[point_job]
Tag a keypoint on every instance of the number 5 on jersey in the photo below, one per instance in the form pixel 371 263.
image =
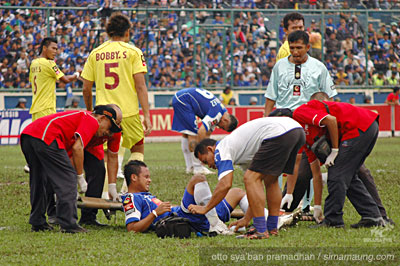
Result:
pixel 109 73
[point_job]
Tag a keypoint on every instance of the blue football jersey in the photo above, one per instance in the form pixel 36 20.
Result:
pixel 203 104
pixel 138 206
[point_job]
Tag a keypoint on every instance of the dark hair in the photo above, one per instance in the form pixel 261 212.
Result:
pixel 201 148
pixel 132 167
pixel 299 35
pixel 46 42
pixel 292 17
pixel 117 25
pixel 396 89
pixel 233 124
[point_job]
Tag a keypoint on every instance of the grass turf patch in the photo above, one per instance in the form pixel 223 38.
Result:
pixel 114 246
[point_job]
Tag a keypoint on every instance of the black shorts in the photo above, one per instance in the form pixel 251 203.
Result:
pixel 278 155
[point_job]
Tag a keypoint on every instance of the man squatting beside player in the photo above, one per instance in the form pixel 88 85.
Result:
pixel 192 102
pixel 266 147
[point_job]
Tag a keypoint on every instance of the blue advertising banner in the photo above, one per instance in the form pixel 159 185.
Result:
pixel 12 122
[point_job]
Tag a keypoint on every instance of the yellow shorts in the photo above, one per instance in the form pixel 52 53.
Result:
pixel 42 113
pixel 132 131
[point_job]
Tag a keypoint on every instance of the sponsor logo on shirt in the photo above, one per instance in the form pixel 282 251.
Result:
pixel 296 90
pixel 129 207
pixel 55 68
pixel 156 201
pixel 143 61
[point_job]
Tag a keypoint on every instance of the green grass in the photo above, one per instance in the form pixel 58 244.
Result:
pixel 115 246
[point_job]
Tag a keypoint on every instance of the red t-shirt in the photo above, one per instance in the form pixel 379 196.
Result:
pixel 349 118
pixel 95 145
pixel 312 132
pixel 392 97
pixel 64 127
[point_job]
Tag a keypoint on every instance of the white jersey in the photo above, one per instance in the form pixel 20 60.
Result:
pixel 241 145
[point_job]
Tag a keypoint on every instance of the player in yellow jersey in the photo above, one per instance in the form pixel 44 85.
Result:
pixel 43 75
pixel 118 70
pixel 291 22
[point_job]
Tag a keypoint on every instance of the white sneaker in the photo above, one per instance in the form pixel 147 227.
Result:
pixel 288 219
pixel 26 169
pixel 221 229
pixel 189 170
pixel 203 170
pixel 120 174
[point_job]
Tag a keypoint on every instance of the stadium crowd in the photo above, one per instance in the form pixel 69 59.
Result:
pixel 171 44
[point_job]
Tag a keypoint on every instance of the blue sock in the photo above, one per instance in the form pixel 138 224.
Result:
pixel 272 222
pixel 260 224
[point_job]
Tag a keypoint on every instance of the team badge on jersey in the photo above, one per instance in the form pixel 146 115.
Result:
pixel 143 61
pixel 128 204
pixel 55 68
pixel 296 90
pixel 156 201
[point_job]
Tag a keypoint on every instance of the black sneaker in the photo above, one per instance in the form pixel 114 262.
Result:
pixel 366 223
pixel 74 230
pixel 42 228
pixel 327 224
pixel 92 222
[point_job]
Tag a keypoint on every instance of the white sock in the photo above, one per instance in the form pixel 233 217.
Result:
pixel 186 153
pixel 196 162
pixel 202 195
pixel 244 204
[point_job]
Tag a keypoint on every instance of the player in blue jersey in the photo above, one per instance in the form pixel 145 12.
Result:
pixel 143 210
pixel 192 102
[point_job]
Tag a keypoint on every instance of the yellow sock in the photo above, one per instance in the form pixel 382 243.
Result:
pixel 136 156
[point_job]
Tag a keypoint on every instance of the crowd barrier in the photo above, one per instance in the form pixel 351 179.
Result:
pixel 13 122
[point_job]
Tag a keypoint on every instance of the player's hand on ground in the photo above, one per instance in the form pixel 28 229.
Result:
pixel 239 223
pixel 163 208
pixel 112 191
pixel 318 216
pixel 147 126
pixel 288 198
pixel 330 161
pixel 196 209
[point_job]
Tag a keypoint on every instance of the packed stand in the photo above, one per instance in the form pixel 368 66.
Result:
pixel 175 48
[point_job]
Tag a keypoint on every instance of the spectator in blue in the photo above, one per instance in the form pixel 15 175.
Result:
pixel 385 43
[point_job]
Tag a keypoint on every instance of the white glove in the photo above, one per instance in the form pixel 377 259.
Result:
pixel 288 198
pixel 82 183
pixel 330 161
pixel 318 213
pixel 112 191
pixel 76 74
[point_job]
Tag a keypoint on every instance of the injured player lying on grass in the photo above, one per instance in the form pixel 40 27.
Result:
pixel 143 210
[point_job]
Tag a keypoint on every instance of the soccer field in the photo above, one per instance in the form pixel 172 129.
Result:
pixel 115 246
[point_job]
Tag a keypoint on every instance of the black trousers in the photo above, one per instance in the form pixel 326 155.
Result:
pixel 95 173
pixel 343 179
pixel 49 164
pixel 305 175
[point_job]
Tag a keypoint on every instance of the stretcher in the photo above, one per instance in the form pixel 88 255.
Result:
pixel 111 206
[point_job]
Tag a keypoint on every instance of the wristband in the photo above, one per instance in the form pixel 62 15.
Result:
pixel 155 213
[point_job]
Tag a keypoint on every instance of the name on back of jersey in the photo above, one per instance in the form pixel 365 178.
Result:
pixel 111 55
